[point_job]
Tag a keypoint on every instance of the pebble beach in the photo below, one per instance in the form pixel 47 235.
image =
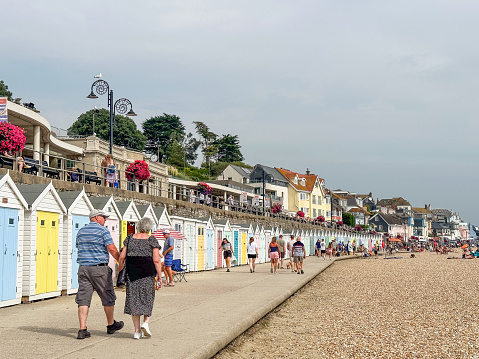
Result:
pixel 423 307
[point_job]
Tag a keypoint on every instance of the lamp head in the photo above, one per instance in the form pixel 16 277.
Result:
pixel 92 95
pixel 131 113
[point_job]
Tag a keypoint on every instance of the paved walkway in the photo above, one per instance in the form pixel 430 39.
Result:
pixel 191 320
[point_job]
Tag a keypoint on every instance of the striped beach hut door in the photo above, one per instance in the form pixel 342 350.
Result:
pixel 210 247
pixel 8 254
pixel 219 253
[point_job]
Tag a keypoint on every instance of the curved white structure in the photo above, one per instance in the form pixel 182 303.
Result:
pixel 38 132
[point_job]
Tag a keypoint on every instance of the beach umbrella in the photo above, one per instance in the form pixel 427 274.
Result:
pixel 158 234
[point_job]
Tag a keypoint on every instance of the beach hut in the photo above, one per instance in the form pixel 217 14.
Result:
pixel 163 217
pixel 146 210
pixel 246 231
pixel 257 230
pixel 12 207
pixel 187 226
pixel 78 208
pixel 262 237
pixel 219 234
pixel 236 240
pixel 43 238
pixel 210 244
pixel 267 241
pixel 129 218
pixel 112 223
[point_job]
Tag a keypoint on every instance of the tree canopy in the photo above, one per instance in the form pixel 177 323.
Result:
pixel 4 91
pixel 161 132
pixel 229 149
pixel 349 219
pixel 125 132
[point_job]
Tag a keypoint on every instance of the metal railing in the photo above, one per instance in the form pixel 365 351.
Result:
pixel 90 173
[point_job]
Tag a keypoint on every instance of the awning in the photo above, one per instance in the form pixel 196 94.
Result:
pixel 394 240
pixel 158 234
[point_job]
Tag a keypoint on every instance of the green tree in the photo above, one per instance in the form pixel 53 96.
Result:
pixel 125 132
pixel 190 146
pixel 161 132
pixel 349 219
pixel 209 146
pixel 229 149
pixel 4 91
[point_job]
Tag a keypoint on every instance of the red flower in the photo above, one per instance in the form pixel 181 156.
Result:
pixel 138 170
pixel 276 208
pixel 300 214
pixel 12 138
pixel 321 219
pixel 204 188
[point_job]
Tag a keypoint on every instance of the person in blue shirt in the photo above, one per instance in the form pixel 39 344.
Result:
pixel 94 244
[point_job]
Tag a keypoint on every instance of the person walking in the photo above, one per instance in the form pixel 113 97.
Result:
pixel 298 255
pixel 290 252
pixel 330 250
pixel 94 244
pixel 318 247
pixel 169 245
pixel 142 254
pixel 252 251
pixel 334 246
pixel 108 164
pixel 282 250
pixel 273 254
pixel 323 249
pixel 227 252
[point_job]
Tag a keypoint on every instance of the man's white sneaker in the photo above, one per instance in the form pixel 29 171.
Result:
pixel 145 328
pixel 137 335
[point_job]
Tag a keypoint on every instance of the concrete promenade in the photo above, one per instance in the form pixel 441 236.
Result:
pixel 192 320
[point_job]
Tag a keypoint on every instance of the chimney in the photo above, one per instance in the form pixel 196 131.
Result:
pixel 307 171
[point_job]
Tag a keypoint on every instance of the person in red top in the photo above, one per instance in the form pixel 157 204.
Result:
pixel 273 253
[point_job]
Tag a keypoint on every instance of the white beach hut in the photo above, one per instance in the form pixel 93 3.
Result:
pixel 78 208
pixel 12 207
pixel 43 239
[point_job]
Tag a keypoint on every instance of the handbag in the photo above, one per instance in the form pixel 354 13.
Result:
pixel 121 279
pixel 233 260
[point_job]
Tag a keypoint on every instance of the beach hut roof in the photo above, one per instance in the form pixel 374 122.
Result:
pixel 99 202
pixel 7 179
pixel 33 193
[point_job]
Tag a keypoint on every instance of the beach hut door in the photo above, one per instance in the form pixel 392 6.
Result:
pixel 78 222
pixel 8 254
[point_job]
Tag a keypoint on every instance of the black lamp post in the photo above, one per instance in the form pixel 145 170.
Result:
pixel 122 105
pixel 265 175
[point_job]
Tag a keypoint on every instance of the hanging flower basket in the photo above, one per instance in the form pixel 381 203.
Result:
pixel 276 208
pixel 358 228
pixel 138 170
pixel 300 214
pixel 203 188
pixel 12 138
pixel 339 223
pixel 321 219
pixel 399 236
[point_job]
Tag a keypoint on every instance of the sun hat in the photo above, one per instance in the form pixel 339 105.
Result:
pixel 166 231
pixel 98 212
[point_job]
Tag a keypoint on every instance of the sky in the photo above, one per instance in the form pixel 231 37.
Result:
pixel 373 96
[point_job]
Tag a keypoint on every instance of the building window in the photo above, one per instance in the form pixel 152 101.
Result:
pixel 304 196
pixel 319 200
pixel 295 180
pixel 314 212
pixel 303 182
pixel 328 213
pixel 314 199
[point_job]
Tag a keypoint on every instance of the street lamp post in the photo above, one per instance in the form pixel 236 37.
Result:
pixel 122 106
pixel 265 175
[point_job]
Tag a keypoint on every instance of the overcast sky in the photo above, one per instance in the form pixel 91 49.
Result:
pixel 373 96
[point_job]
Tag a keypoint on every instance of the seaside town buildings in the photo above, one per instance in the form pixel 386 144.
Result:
pixel 262 186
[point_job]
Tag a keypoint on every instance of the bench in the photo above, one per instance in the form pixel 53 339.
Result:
pixel 34 164
pixel 6 161
pixel 91 176
pixel 179 270
pixel 49 171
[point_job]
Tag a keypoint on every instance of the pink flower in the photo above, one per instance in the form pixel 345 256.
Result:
pixel 138 170
pixel 12 138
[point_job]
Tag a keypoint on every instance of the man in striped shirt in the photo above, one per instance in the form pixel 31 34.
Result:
pixel 94 244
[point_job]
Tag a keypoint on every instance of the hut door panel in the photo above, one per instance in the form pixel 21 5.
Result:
pixel 52 254
pixel 219 255
pixel 41 253
pixel 8 254
pixel 243 248
pixel 201 248
pixel 210 249
pixel 235 245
